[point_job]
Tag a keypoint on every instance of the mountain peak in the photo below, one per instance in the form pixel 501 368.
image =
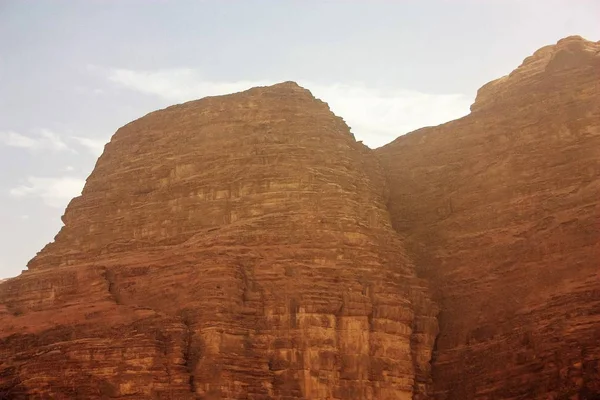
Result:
pixel 548 64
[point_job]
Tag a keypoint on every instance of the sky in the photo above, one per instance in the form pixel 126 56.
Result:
pixel 72 72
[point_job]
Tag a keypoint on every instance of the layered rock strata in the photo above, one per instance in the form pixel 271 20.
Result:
pixel 501 211
pixel 232 247
pixel 241 247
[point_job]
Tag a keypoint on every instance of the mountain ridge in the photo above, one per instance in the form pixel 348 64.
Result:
pixel 246 246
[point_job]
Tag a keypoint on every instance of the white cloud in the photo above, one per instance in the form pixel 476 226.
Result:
pixel 95 146
pixel 52 140
pixel 55 192
pixel 377 116
pixel 44 140
pixel 179 84
pixel 88 90
pixel 14 139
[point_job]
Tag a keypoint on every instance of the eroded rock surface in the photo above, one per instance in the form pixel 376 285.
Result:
pixel 501 210
pixel 247 247
pixel 232 247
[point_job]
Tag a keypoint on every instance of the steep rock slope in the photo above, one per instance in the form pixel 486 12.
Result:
pixel 231 247
pixel 501 211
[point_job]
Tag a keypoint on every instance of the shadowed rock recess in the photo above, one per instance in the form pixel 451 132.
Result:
pixel 247 247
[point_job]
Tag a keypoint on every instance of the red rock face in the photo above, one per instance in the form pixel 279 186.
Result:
pixel 501 210
pixel 247 247
pixel 232 247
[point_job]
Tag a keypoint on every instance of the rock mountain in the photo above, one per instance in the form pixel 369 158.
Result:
pixel 247 247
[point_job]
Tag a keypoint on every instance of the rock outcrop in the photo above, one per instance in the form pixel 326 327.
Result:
pixel 501 211
pixel 247 247
pixel 232 247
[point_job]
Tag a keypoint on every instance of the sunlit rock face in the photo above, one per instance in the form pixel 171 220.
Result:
pixel 501 212
pixel 247 247
pixel 235 247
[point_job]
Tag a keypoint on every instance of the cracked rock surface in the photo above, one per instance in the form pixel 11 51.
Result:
pixel 501 214
pixel 247 247
pixel 231 247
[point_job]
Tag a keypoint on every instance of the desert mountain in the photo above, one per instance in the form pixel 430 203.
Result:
pixel 247 247
pixel 500 210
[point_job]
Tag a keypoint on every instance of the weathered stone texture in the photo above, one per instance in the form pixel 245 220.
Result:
pixel 231 247
pixel 501 211
pixel 247 247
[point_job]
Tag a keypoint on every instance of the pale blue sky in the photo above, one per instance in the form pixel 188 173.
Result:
pixel 72 72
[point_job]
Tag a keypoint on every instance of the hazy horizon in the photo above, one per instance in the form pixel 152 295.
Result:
pixel 74 72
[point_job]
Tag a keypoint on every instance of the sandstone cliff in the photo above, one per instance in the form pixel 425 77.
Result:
pixel 501 211
pixel 246 246
pixel 232 247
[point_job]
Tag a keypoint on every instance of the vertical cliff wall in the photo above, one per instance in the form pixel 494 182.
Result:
pixel 501 211
pixel 231 247
pixel 246 246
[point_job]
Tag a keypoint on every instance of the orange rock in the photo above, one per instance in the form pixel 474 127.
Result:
pixel 500 210
pixel 231 247
pixel 246 246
